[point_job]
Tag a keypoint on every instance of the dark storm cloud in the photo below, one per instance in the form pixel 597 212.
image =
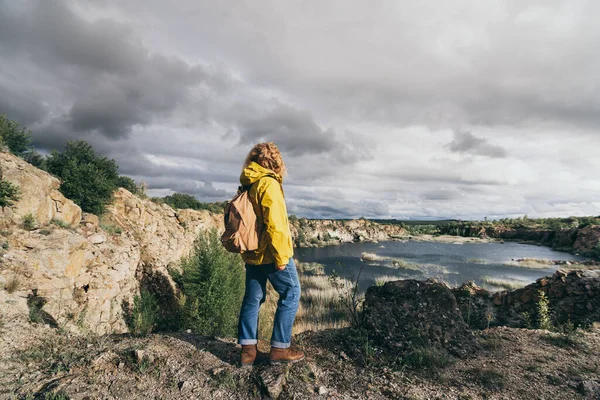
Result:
pixel 297 134
pixel 294 130
pixel 107 80
pixel 466 143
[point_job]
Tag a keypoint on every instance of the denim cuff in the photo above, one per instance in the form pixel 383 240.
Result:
pixel 244 342
pixel 279 345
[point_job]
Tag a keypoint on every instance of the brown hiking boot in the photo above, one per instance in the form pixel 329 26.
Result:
pixel 285 356
pixel 251 356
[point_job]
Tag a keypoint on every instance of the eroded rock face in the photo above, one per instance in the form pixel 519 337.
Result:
pixel 588 240
pixel 405 315
pixel 573 296
pixel 165 235
pixel 308 233
pixel 83 277
pixel 81 284
pixel 39 194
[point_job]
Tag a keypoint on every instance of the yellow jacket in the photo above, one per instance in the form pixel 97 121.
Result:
pixel 266 195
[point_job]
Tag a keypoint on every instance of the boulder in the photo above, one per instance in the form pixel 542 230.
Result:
pixel 38 195
pixel 402 316
pixel 573 297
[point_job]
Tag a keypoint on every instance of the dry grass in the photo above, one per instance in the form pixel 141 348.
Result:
pixel 381 280
pixel 319 309
pixel 533 263
pixel 12 284
pixel 503 283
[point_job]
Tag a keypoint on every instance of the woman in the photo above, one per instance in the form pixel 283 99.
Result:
pixel 262 173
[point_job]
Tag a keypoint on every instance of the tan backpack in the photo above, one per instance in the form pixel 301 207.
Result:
pixel 240 224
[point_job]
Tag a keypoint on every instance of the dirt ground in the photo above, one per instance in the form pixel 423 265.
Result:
pixel 40 362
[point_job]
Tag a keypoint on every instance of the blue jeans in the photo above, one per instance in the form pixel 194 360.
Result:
pixel 286 283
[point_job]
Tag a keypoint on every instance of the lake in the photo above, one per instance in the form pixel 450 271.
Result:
pixel 454 263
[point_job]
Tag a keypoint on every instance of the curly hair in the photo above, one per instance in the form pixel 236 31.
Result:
pixel 267 155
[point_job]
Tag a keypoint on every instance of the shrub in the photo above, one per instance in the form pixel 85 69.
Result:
pixel 428 358
pixel 12 284
pixel 36 159
pixel 15 137
pixel 212 281
pixel 56 396
pixel 87 178
pixel 9 193
pixel 144 313
pixel 543 312
pixel 183 201
pixel 111 229
pixel 29 222
pixel 60 223
pixel 349 297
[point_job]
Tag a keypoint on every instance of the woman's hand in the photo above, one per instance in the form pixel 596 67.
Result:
pixel 280 267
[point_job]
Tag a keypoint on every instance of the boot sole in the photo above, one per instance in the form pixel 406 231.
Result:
pixel 271 362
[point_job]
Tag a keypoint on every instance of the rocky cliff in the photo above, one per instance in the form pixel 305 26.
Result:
pixel 78 271
pixel 572 296
pixel 584 241
pixel 309 233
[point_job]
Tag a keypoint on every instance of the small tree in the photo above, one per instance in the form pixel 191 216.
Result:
pixel 9 193
pixel 15 137
pixel 87 178
pixel 212 284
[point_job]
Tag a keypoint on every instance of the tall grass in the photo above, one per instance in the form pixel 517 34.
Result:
pixel 144 313
pixel 503 283
pixel 533 263
pixel 319 309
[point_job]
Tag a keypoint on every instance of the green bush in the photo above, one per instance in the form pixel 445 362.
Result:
pixel 87 178
pixel 144 314
pixel 212 286
pixel 60 223
pixel 15 137
pixel 111 229
pixel 29 223
pixel 184 201
pixel 36 159
pixel 543 312
pixel 9 193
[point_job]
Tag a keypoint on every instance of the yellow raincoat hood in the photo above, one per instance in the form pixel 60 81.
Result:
pixel 253 172
pixel 274 238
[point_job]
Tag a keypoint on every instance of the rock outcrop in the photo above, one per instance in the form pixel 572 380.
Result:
pixel 38 195
pixel 402 316
pixel 165 235
pixel 573 296
pixel 308 233
pixel 82 273
pixel 584 241
pixel 588 241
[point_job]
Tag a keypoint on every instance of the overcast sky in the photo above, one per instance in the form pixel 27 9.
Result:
pixel 398 109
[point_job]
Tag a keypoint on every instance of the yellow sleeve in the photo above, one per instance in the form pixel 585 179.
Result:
pixel 275 221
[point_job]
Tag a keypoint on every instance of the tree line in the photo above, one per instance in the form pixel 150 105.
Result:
pixel 87 178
